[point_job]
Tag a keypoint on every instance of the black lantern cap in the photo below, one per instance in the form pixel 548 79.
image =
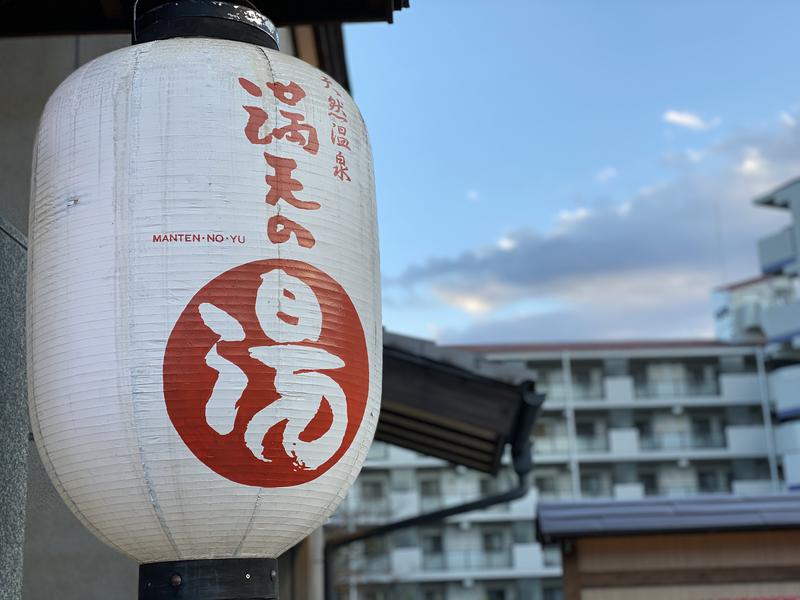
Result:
pixel 205 18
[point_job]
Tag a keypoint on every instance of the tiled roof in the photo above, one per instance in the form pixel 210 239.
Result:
pixel 570 520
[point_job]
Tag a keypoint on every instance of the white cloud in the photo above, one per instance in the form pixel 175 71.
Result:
pixel 566 217
pixel 469 303
pixel 753 163
pixel 506 243
pixel 606 174
pixel 788 119
pixel 688 120
pixel 641 267
pixel 473 195
pixel 694 156
pixel 624 208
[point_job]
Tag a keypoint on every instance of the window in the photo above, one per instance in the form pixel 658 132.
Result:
pixel 432 543
pixel 494 541
pixel 585 429
pixel 523 532
pixel 645 427
pixel 372 490
pixel 430 488
pixel 701 426
pixel 496 594
pixel 710 481
pixel 587 382
pixel 552 593
pixel 545 485
pixel 650 483
pixel 592 484
pixel 375 546
pixel 405 538
pixel 433 594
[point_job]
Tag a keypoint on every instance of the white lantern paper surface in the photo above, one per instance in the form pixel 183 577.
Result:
pixel 204 323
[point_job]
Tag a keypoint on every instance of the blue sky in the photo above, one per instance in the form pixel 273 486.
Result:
pixel 573 170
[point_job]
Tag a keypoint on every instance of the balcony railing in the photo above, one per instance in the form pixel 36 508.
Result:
pixel 374 564
pixel 554 495
pixel 681 441
pixel 551 556
pixel 683 491
pixel 674 388
pixel 551 445
pixel 560 445
pixel 456 560
pixel 592 444
pixel 558 392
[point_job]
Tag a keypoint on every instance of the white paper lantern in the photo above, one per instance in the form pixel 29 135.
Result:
pixel 204 325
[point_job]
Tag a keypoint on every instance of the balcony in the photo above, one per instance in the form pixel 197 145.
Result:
pixel 628 491
pixel 619 389
pixel 460 560
pixel 556 393
pixel 589 445
pixel 788 438
pixel 680 441
pixel 752 487
pixel 740 388
pixel 782 322
pixel 777 251
pixel 674 388
pixel 784 384
pixel 550 446
pixel 746 439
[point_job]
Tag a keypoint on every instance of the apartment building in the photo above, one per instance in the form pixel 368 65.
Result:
pixel 780 324
pixel 622 420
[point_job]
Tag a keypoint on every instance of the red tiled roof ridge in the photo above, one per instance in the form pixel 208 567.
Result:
pixel 602 345
pixel 745 282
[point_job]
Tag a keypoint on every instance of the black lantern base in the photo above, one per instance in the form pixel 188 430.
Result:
pixel 222 579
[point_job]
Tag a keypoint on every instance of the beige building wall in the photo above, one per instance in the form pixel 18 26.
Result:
pixel 756 591
pixel 698 566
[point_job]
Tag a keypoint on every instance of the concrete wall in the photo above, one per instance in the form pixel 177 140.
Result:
pixel 13 410
pixel 61 558
pixel 31 69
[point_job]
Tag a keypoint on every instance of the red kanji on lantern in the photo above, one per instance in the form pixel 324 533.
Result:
pixel 338 136
pixel 294 132
pixel 280 230
pixel 282 185
pixel 340 169
pixel 336 109
pixel 234 387
pixel 288 93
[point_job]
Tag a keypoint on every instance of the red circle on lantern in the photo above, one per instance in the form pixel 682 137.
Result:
pixel 189 380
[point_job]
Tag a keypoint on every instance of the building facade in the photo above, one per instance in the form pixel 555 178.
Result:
pixel 780 324
pixel 621 421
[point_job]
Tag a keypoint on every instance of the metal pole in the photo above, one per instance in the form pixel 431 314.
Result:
pixel 766 415
pixel 572 432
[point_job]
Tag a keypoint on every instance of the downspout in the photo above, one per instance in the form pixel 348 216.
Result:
pixel 522 461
